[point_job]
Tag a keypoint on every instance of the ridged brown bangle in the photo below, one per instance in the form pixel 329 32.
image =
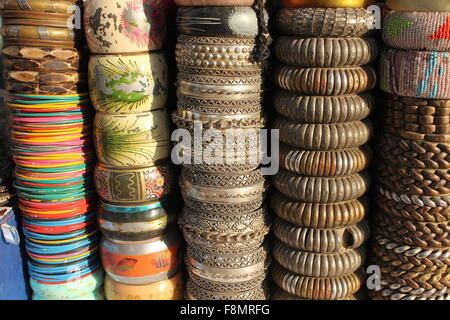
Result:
pixel 324 136
pixel 319 215
pixel 414 181
pixel 323 190
pixel 45 88
pixel 317 288
pixel 325 22
pixel 414 153
pixel 238 231
pixel 422 116
pixel 421 234
pixel 323 109
pixel 218 21
pixel 392 203
pixel 322 240
pixel 194 292
pixel 318 264
pixel 325 52
pixel 223 193
pixel 325 163
pixel 417 30
pixel 46 77
pixel 419 74
pixel 411 258
pixel 325 81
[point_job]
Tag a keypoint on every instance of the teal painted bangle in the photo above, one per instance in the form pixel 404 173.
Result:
pixel 95 295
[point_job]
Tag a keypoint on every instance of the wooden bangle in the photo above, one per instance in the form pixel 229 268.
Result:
pixel 38 5
pixel 325 163
pixel 427 31
pixel 132 140
pixel 418 5
pixel 25 32
pixel 57 44
pixel 326 52
pixel 318 264
pixel 319 215
pixel 322 240
pixel 422 116
pixel 325 22
pixel 318 288
pixel 46 77
pixel 44 89
pixel 325 82
pixel 413 233
pixel 418 74
pixel 44 54
pixel 413 181
pixel 43 66
pixel 324 137
pixel 218 21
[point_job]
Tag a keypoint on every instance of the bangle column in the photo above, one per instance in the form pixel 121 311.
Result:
pixel 141 247
pixel 220 85
pixel 322 103
pixel 412 220
pixel 51 122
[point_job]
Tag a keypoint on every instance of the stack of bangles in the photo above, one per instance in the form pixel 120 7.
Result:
pixel 54 155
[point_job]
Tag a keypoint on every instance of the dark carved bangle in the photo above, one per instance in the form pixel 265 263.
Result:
pixel 310 215
pixel 325 163
pixel 240 22
pixel 326 52
pixel 322 190
pixel 322 240
pixel 318 288
pixel 321 265
pixel 325 81
pixel 325 22
pixel 324 137
pixel 323 109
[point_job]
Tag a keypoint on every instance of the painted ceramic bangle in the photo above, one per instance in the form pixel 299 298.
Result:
pixel 139 26
pixel 194 292
pixel 413 259
pixel 132 186
pixel 322 240
pixel 218 21
pixel 46 77
pixel 433 209
pixel 219 107
pixel 322 190
pixel 228 268
pixel 324 137
pixel 325 163
pixel 325 22
pixel 413 233
pixel 94 295
pixel 425 31
pixel 167 289
pixel 318 288
pixel 323 109
pixel 230 192
pixel 426 182
pixel 238 232
pixel 132 140
pixel 280 294
pixel 213 3
pixel 325 52
pixel 418 5
pixel 325 81
pixel 43 53
pixel 24 32
pixel 142 262
pixel 310 215
pixel 318 264
pixel 418 74
pixel 39 5
pixel 135 223
pixel 128 83
pixel 39 88
pixel 420 116
pixel 77 287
